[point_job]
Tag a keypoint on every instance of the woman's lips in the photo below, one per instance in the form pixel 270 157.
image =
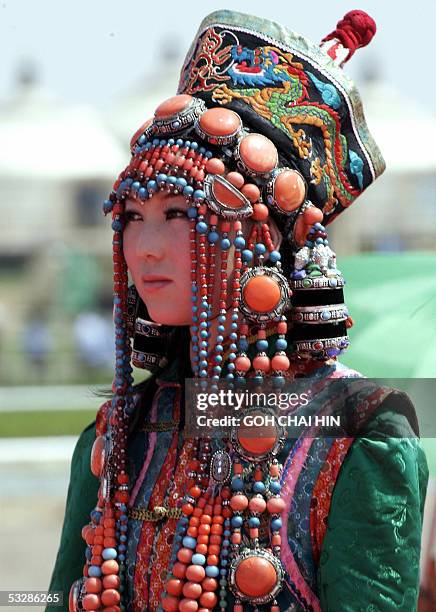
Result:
pixel 154 282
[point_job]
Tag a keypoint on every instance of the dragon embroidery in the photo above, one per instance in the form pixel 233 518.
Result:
pixel 276 87
pixel 203 72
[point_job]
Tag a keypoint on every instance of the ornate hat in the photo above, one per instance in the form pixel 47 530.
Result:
pixel 294 92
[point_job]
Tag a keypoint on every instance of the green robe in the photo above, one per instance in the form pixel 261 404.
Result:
pixel 370 554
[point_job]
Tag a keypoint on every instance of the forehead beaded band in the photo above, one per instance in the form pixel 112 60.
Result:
pixel 265 127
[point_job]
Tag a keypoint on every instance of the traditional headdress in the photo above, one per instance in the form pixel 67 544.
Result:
pixel 265 124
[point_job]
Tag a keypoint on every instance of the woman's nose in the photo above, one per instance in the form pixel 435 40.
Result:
pixel 150 244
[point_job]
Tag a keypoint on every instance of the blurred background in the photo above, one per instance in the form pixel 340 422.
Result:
pixel 77 80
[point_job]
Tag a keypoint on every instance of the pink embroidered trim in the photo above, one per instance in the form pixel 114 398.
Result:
pixel 151 446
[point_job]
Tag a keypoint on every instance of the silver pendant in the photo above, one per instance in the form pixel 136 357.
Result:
pixel 220 467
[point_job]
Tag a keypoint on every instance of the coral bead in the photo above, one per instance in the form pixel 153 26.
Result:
pixel 195 573
pixel 258 153
pixel 252 193
pixel 257 439
pixel 98 456
pixel 93 585
pixel 179 569
pixel 187 509
pixel 110 567
pixel 220 122
pixel 110 597
pixel 274 469
pixel 275 505
pixel 170 603
pixel 188 605
pixel 289 190
pixel 172 106
pixel 282 327
pixel 262 363
pixel 239 502
pixel 192 590
pixel 260 212
pixel 312 214
pixel 280 362
pixel 184 555
pixel 276 540
pixel 212 560
pixel 257 504
pixel 174 586
pixel 140 131
pixel 111 581
pixel 201 548
pixel 236 179
pixel 91 602
pixel 215 166
pixel 208 599
pixel 209 584
pixel 261 293
pixel 242 363
pixel 255 576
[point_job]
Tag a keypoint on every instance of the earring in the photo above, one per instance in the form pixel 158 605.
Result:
pixel 150 339
pixel 319 314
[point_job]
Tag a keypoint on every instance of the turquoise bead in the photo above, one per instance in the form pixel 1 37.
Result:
pixel 276 524
pixel 109 553
pixel 237 521
pixel 275 486
pixel 262 345
pixel 258 487
pixel 189 542
pixel 198 559
pixel 201 227
pixel 237 484
pixel 274 256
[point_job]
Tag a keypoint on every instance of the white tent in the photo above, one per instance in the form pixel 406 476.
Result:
pixel 44 139
pixel 404 130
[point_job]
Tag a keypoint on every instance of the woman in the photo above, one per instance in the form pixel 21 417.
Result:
pixel 220 219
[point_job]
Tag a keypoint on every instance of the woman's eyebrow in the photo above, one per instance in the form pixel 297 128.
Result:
pixel 133 202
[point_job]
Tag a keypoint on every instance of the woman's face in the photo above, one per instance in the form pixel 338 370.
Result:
pixel 156 249
pixel 157 252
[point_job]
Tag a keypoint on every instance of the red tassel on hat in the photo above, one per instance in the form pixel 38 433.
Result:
pixel 355 30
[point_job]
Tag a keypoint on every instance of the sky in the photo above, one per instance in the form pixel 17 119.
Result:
pixel 94 51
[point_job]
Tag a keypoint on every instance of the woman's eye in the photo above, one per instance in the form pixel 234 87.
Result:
pixel 176 213
pixel 130 215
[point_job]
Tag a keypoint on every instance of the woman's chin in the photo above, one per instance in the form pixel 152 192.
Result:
pixel 165 317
